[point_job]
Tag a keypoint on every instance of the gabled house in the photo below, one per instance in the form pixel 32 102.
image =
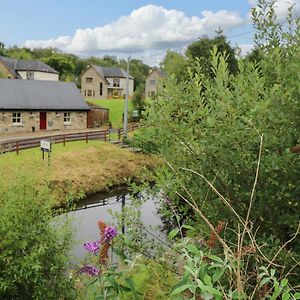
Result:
pixel 105 82
pixel 153 82
pixel 26 69
pixel 33 105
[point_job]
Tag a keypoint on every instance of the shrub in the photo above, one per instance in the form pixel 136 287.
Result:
pixel 34 250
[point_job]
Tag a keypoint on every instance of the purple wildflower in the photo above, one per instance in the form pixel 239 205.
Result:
pixel 92 246
pixel 89 270
pixel 109 233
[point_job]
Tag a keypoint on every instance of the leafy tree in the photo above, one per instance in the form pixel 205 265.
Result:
pixel 61 64
pixel 175 64
pixel 18 53
pixel 2 48
pixel 209 129
pixel 139 71
pixel 202 48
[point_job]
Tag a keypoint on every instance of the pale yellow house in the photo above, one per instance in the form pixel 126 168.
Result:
pixel 26 69
pixel 153 82
pixel 105 82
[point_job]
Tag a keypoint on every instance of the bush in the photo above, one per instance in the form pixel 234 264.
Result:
pixel 34 252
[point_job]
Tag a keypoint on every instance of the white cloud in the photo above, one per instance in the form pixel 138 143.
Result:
pixel 149 27
pixel 245 49
pixel 281 7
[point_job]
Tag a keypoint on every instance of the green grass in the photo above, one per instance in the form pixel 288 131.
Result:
pixel 116 109
pixel 78 168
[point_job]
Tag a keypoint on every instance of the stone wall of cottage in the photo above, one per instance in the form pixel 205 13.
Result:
pixel 30 120
pixel 152 84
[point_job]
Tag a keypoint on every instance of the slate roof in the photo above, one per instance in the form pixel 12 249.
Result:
pixel 111 72
pixel 40 95
pixel 14 65
pixel 161 72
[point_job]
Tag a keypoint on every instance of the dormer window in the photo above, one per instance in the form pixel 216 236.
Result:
pixel 30 75
pixel 116 82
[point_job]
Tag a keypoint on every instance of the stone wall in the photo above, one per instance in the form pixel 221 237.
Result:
pixel 90 85
pixel 152 84
pixel 55 121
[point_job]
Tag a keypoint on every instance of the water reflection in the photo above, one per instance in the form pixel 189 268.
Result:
pixel 96 207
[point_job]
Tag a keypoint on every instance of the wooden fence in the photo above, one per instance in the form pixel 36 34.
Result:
pixel 33 142
pixel 27 143
pixel 131 127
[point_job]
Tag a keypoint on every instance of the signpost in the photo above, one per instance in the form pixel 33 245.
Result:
pixel 46 147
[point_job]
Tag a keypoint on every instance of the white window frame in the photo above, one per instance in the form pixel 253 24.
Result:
pixel 67 118
pixel 16 118
pixel 116 82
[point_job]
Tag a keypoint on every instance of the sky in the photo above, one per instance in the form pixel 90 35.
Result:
pixel 139 28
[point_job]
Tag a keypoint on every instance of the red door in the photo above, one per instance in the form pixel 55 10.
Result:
pixel 43 120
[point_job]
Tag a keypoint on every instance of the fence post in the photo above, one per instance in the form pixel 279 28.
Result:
pixel 17 147
pixel 86 137
pixel 119 133
pixel 105 133
pixel 64 140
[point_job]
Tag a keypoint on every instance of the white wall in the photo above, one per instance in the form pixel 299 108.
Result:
pixel 123 84
pixel 40 75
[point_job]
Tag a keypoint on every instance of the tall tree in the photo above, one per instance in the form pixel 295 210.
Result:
pixel 175 64
pixel 202 49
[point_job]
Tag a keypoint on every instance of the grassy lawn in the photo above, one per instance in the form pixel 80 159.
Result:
pixel 76 169
pixel 116 109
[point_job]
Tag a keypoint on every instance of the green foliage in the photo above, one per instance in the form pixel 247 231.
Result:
pixel 175 64
pixel 34 249
pixel 62 64
pixel 138 99
pixel 202 48
pixel 210 128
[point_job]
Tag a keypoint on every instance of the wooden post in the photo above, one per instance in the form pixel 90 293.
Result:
pixel 64 140
pixel 86 137
pixel 119 133
pixel 105 133
pixel 17 147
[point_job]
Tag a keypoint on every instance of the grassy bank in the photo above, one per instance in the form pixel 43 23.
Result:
pixel 76 169
pixel 116 109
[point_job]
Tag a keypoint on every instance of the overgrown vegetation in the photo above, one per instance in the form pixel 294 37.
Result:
pixel 34 250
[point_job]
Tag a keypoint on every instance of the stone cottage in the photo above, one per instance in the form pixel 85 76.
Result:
pixel 33 105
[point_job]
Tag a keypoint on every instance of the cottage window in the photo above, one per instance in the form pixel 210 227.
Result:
pixel 89 79
pixel 116 82
pixel 152 82
pixel 101 88
pixel 89 93
pixel 67 117
pixel 16 118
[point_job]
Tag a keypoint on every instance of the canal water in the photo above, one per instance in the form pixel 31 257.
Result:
pixel 96 207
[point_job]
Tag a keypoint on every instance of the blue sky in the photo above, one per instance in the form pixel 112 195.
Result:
pixel 143 29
